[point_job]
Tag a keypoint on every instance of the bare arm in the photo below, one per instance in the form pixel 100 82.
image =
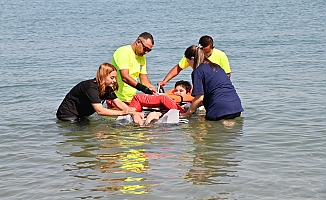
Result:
pixel 120 104
pixel 173 73
pixel 127 79
pixel 100 110
pixel 196 103
pixel 145 81
pixel 132 82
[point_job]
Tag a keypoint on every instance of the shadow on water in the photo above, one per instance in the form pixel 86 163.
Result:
pixel 116 159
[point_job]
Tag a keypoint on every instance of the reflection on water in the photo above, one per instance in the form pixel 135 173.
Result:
pixel 125 163
pixel 213 150
pixel 121 160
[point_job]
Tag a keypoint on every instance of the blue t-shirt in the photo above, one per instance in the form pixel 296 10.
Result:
pixel 220 97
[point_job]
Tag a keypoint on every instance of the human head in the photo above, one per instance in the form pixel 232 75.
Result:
pixel 207 43
pixel 195 56
pixel 182 87
pixel 144 44
pixel 106 78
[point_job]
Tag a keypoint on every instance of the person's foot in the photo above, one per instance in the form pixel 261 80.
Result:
pixel 138 118
pixel 152 116
pixel 228 123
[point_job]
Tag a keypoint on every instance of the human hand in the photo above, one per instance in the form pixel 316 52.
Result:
pixel 151 87
pixel 131 110
pixel 125 111
pixel 161 83
pixel 139 114
pixel 184 115
pixel 138 118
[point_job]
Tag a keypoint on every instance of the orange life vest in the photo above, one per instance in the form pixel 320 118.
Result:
pixel 178 98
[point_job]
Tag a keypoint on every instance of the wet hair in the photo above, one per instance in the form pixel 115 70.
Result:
pixel 103 71
pixel 146 36
pixel 198 54
pixel 205 41
pixel 185 84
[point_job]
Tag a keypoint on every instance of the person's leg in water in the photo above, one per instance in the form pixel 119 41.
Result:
pixel 152 116
pixel 138 118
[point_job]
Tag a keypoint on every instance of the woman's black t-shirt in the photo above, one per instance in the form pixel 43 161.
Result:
pixel 78 102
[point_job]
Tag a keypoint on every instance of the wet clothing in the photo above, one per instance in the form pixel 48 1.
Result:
pixel 154 101
pixel 220 97
pixel 78 102
pixel 218 57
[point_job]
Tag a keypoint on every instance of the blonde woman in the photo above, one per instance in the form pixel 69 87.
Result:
pixel 88 96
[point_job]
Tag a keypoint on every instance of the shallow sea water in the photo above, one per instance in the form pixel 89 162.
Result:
pixel 276 150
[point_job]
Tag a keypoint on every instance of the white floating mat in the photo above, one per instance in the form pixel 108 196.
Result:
pixel 171 117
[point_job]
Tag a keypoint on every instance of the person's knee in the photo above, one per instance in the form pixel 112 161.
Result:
pixel 153 116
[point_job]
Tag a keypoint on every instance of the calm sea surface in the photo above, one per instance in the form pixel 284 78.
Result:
pixel 276 150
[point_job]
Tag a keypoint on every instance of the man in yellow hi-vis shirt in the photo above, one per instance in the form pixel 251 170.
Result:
pixel 130 62
pixel 215 55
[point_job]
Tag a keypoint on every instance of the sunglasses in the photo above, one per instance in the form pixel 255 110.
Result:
pixel 145 48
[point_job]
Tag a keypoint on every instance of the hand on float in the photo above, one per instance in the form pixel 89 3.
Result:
pixel 161 83
pixel 131 110
pixel 184 115
pixel 125 111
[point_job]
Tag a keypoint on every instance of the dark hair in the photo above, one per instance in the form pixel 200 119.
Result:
pixel 184 84
pixel 198 54
pixel 146 36
pixel 205 41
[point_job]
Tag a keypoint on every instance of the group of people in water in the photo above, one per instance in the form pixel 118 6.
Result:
pixel 116 83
